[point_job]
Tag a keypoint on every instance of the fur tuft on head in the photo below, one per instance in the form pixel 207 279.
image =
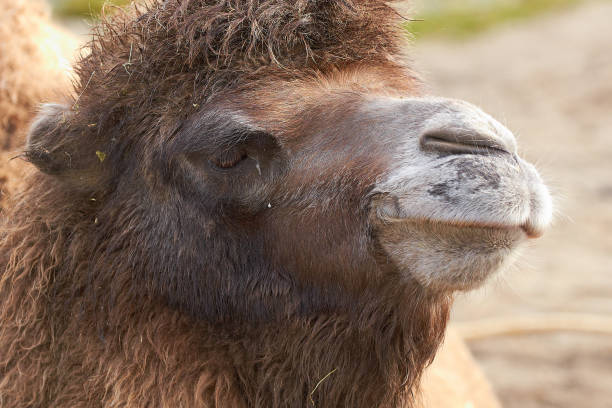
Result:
pixel 167 56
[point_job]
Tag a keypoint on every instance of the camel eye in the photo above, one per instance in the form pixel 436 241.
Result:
pixel 228 159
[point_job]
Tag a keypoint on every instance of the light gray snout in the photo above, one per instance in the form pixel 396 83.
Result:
pixel 455 164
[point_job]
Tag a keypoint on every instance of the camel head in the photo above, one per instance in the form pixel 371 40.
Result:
pixel 280 158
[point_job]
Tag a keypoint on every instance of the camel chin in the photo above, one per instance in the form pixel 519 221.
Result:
pixel 445 257
pixel 458 202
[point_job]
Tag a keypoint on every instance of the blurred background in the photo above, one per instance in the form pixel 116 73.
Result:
pixel 544 67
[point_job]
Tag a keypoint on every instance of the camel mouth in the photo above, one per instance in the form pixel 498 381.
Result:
pixel 455 223
pixel 387 209
pixel 473 234
pixel 530 230
pixel 503 193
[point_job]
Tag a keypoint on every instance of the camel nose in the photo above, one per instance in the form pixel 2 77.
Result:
pixel 464 129
pixel 461 141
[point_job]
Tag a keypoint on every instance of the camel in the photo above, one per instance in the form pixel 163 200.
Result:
pixel 35 66
pixel 251 204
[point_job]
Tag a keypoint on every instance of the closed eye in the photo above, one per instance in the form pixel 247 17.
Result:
pixel 228 159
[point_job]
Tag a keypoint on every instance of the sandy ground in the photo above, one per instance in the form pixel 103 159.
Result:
pixel 550 80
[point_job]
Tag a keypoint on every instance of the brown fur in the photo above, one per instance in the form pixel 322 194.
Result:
pixel 34 68
pixel 104 298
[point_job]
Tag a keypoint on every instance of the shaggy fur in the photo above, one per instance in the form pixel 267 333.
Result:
pixel 103 299
pixel 34 68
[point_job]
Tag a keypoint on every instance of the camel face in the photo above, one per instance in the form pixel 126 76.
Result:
pixel 449 199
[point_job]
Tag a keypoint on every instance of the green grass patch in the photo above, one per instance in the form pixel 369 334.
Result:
pixel 461 22
pixel 83 8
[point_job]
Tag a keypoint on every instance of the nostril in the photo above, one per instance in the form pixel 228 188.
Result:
pixel 460 141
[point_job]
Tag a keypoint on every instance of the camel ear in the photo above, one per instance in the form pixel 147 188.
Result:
pixel 46 140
